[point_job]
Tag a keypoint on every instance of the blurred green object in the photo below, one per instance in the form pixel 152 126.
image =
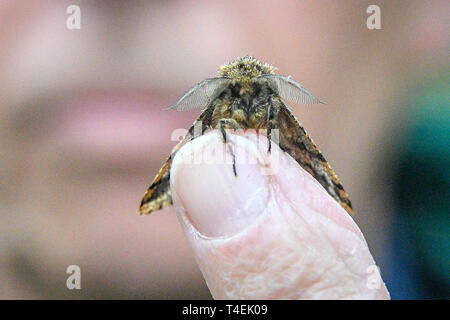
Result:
pixel 423 188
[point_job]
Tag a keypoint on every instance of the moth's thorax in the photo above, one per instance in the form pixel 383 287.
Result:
pixel 248 107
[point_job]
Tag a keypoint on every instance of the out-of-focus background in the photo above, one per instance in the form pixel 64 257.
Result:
pixel 82 132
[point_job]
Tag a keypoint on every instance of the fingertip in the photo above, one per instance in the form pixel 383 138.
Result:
pixel 272 231
pixel 216 201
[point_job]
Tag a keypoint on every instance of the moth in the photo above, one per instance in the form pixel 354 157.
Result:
pixel 247 94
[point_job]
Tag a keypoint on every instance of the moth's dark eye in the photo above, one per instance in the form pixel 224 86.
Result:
pixel 236 90
pixel 256 87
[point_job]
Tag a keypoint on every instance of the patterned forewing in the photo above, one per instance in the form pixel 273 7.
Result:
pixel 295 141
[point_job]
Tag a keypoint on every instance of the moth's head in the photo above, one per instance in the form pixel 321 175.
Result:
pixel 245 70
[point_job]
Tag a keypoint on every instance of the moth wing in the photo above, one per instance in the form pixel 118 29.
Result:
pixel 294 140
pixel 289 89
pixel 200 95
pixel 158 195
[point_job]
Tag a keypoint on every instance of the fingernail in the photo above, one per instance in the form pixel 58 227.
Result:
pixel 216 201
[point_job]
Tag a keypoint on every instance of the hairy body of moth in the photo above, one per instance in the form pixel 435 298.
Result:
pixel 248 94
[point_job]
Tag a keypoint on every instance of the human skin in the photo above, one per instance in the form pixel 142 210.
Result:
pixel 272 231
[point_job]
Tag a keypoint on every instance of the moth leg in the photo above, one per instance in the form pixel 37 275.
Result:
pixel 229 124
pixel 234 159
pixel 270 117
pixel 222 129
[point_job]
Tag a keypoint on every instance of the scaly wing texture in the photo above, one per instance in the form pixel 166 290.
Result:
pixel 158 195
pixel 295 141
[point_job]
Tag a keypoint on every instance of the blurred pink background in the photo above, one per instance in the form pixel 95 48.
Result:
pixel 82 130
